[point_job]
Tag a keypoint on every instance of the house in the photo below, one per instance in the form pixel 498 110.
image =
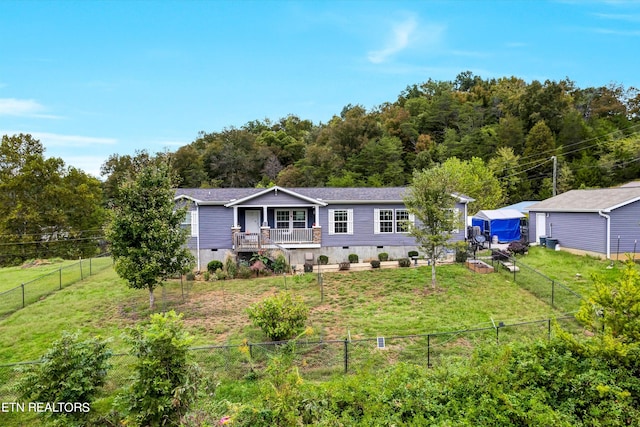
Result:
pixel 304 222
pixel 604 222
pixel 504 224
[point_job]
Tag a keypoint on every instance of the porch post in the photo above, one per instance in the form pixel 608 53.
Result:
pixel 317 215
pixel 264 216
pixel 234 231
pixel 235 217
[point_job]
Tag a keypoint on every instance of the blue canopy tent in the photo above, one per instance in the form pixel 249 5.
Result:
pixel 503 223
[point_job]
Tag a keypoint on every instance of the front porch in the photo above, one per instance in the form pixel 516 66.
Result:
pixel 269 238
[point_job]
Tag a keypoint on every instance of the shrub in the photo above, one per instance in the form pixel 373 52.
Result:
pixel 518 247
pixel 244 272
pixel 165 382
pixel 413 254
pixel 404 262
pixel 375 263
pixel 230 266
pixel 206 276
pixel 353 258
pixel 323 259
pixel 383 256
pixel 220 274
pixel 462 251
pixel 259 268
pixel 190 276
pixel 280 265
pixel 214 265
pixel 308 267
pixel 71 371
pixel 280 317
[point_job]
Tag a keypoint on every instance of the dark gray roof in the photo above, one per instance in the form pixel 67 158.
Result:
pixel 325 194
pixel 604 199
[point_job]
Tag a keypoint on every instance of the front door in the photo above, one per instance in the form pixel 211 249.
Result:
pixel 541 225
pixel 252 221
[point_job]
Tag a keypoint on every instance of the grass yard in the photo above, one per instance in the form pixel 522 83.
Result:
pixel 365 304
pixel 397 304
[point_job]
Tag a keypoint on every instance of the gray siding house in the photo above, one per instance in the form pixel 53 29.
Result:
pixel 318 221
pixel 603 222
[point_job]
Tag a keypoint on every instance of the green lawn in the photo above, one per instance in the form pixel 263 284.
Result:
pixel 357 305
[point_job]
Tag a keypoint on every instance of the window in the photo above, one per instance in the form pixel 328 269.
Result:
pixel 190 223
pixel 385 217
pixel 340 221
pixel 289 219
pixel 402 220
pixel 391 221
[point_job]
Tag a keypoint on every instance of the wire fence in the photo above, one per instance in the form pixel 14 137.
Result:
pixel 324 359
pixel 33 290
pixel 556 294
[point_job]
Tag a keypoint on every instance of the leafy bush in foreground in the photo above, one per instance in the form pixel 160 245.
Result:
pixel 280 317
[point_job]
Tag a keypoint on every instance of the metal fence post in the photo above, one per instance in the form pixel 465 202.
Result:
pixel 514 269
pixel 346 356
pixel 60 277
pixel 90 273
pixel 549 328
pixel 553 291
pixel 81 276
pixel 22 294
pixel 498 335
pixel 250 350
pixel 428 350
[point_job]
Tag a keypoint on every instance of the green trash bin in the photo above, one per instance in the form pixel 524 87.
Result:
pixel 543 240
pixel 551 243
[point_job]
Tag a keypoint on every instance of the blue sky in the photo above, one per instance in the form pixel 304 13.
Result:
pixel 94 78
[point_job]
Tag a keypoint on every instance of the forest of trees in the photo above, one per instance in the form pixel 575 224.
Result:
pixel 501 134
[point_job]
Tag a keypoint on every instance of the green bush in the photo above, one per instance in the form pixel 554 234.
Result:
pixel 323 259
pixel 462 252
pixel 165 382
pixel 404 262
pixel 214 265
pixel 280 265
pixel 383 256
pixel 230 267
pixel 206 275
pixel 71 371
pixel 220 274
pixel 375 263
pixel 353 258
pixel 413 254
pixel 280 317
pixel 190 276
pixel 244 272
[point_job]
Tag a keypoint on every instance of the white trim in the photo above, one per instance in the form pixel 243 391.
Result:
pixel 332 221
pixel 275 189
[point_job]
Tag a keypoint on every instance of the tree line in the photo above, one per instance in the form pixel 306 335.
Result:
pixel 499 135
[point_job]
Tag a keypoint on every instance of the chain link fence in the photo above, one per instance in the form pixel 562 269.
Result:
pixel 32 291
pixel 556 294
pixel 322 360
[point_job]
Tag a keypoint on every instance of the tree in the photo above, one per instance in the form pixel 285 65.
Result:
pixel 280 317
pixel 45 209
pixel 147 242
pixel 615 307
pixel 473 178
pixel 430 198
pixel 165 382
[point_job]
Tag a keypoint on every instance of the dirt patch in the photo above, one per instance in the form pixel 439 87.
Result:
pixel 36 263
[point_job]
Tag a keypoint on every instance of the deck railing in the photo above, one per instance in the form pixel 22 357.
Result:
pixel 291 235
pixel 283 236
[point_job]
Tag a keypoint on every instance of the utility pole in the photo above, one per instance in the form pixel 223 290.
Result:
pixel 555 172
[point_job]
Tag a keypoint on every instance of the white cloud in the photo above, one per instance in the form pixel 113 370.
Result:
pixel 57 140
pixel 400 38
pixel 19 107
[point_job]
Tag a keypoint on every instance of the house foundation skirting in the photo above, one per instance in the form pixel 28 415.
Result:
pixel 336 254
